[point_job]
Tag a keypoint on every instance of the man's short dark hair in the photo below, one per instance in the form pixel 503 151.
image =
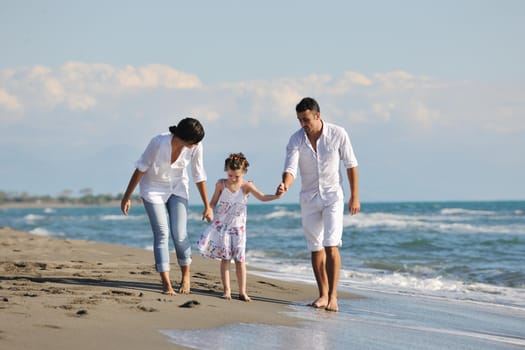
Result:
pixel 307 103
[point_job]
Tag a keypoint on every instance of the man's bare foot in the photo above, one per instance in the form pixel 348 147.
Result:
pixel 227 296
pixel 319 303
pixel 244 297
pixel 332 305
pixel 184 287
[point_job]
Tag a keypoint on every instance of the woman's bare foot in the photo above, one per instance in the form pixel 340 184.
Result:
pixel 184 287
pixel 319 303
pixel 244 297
pixel 166 283
pixel 169 291
pixel 332 305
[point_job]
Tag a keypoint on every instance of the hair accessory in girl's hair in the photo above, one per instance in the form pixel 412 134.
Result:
pixel 236 161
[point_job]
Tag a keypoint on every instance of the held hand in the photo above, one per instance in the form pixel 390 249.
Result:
pixel 281 189
pixel 207 214
pixel 125 205
pixel 354 206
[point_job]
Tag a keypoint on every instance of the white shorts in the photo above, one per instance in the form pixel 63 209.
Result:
pixel 322 224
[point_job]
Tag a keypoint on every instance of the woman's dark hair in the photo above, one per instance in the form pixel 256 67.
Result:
pixel 236 161
pixel 189 130
pixel 307 103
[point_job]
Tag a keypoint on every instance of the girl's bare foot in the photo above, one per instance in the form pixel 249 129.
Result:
pixel 319 303
pixel 244 297
pixel 184 287
pixel 332 305
pixel 227 294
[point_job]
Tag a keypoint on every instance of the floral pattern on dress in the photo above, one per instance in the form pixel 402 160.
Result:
pixel 225 237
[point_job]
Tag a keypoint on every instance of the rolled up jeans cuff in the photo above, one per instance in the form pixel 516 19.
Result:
pixel 184 262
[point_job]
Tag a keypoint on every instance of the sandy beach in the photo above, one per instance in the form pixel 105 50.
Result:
pixel 83 278
pixel 72 294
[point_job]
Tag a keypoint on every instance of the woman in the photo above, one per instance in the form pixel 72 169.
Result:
pixel 164 189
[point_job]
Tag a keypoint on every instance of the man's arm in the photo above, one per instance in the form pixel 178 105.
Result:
pixel 354 206
pixel 287 182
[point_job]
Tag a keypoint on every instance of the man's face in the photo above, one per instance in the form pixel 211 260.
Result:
pixel 310 122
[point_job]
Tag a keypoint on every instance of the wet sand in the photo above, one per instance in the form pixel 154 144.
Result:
pixel 70 294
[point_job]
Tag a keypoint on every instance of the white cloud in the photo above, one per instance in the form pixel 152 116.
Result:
pixel 357 78
pixel 402 79
pixel 53 90
pixel 155 76
pixel 81 102
pixel 156 91
pixel 81 110
pixel 421 113
pixel 9 102
pixel 204 113
pixel 383 109
pixel 79 86
pixel 104 77
pixel 36 72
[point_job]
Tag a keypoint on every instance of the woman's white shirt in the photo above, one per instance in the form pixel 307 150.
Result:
pixel 162 178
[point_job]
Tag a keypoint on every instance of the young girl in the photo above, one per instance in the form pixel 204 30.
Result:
pixel 225 237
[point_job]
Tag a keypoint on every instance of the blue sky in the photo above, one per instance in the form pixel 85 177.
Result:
pixel 431 93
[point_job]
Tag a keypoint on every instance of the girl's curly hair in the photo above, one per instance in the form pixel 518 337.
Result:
pixel 236 161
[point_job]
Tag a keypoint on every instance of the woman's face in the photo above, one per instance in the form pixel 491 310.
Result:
pixel 188 144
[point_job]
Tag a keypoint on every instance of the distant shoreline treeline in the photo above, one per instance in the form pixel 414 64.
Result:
pixel 85 197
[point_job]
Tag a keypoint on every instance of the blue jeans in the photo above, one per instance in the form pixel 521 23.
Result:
pixel 169 219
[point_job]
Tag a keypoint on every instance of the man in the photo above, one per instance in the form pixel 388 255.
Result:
pixel 316 151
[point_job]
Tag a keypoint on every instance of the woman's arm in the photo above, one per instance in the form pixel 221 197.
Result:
pixel 207 214
pixel 125 204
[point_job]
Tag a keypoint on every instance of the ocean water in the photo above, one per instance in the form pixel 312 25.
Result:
pixel 379 321
pixel 468 256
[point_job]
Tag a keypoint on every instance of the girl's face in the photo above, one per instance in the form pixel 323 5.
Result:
pixel 234 176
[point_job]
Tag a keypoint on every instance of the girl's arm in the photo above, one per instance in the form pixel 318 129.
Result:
pixel 249 187
pixel 218 189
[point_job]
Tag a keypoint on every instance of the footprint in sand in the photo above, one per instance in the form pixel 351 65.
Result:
pixel 146 309
pixel 190 304
pixel 81 312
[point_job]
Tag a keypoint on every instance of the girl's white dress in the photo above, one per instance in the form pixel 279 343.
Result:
pixel 225 237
